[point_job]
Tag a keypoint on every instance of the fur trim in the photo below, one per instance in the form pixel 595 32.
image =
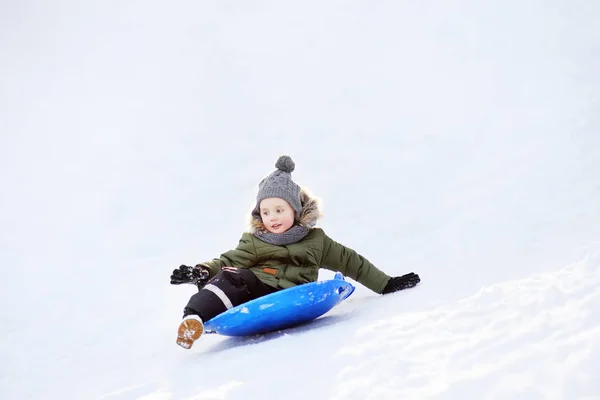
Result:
pixel 311 212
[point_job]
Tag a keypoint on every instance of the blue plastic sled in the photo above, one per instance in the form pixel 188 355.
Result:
pixel 283 309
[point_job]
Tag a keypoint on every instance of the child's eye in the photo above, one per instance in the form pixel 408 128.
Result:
pixel 265 213
pixel 279 211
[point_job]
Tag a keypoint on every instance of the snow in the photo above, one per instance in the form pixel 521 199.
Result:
pixel 456 139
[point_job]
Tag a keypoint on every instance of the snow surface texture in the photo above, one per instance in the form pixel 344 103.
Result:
pixel 456 139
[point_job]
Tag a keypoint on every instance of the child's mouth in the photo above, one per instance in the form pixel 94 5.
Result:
pixel 275 226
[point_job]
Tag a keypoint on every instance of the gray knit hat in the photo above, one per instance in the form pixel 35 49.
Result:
pixel 280 184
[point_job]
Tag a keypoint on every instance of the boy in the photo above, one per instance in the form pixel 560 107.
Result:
pixel 282 249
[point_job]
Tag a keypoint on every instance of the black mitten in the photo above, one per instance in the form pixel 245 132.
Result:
pixel 197 275
pixel 401 282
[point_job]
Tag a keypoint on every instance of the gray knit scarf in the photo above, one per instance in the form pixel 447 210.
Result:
pixel 293 235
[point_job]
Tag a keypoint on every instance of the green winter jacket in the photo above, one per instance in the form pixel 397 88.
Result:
pixel 297 263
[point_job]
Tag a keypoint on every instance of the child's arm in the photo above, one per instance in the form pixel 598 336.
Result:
pixel 243 256
pixel 337 257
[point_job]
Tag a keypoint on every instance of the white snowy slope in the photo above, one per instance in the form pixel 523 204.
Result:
pixel 456 139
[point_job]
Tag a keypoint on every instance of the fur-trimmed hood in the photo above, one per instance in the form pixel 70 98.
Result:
pixel 311 212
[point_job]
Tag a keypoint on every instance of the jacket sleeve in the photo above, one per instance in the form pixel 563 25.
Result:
pixel 243 256
pixel 337 257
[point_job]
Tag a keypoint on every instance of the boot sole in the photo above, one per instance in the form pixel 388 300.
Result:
pixel 189 331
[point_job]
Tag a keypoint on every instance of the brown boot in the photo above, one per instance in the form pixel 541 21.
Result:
pixel 189 331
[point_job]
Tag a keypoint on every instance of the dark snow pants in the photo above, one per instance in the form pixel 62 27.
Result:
pixel 229 288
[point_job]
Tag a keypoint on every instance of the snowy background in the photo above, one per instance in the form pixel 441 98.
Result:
pixel 458 139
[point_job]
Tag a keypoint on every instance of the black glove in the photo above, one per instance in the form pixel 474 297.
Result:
pixel 401 282
pixel 197 275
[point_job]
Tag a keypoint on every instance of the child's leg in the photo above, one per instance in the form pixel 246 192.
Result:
pixel 230 288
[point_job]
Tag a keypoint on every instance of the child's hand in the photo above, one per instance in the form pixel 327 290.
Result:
pixel 195 275
pixel 401 282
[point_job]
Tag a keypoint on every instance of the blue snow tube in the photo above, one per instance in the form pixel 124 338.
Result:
pixel 283 309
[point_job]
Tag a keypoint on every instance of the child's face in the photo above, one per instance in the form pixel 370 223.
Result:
pixel 277 214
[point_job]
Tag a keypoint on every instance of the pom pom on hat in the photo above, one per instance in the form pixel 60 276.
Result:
pixel 285 164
